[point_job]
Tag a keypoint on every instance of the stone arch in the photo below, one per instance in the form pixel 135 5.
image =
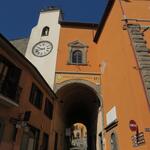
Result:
pixel 81 104
pixel 95 88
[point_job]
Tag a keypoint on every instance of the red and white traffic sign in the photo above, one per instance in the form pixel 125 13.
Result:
pixel 133 125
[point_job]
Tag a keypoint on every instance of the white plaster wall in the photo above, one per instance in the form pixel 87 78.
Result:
pixel 47 64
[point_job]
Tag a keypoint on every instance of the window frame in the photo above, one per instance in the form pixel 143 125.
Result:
pixel 48 107
pixel 116 140
pixel 45 31
pixel 2 127
pixel 10 75
pixel 45 141
pixel 34 93
pixel 77 46
pixel 77 59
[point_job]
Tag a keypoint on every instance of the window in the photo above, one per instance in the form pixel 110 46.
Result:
pixel 9 79
pixel 1 129
pixel 45 31
pixel 77 57
pixel 113 142
pixel 30 139
pixel 36 96
pixel 101 141
pixel 56 141
pixel 48 110
pixel 36 134
pixel 77 53
pixel 45 142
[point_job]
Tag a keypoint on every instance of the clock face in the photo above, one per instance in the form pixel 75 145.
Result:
pixel 42 48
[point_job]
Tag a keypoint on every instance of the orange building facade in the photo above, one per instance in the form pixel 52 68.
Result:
pixel 100 74
pixel 116 68
pixel 26 103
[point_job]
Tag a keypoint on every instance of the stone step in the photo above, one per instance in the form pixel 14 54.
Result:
pixel 147 78
pixel 144 58
pixel 136 33
pixel 144 62
pixel 147 85
pixel 137 36
pixel 148 94
pixel 147 54
pixel 139 41
pixel 141 49
pixel 143 54
pixel 141 57
pixel 140 46
pixel 145 67
pixel 133 25
pixel 145 73
pixel 134 28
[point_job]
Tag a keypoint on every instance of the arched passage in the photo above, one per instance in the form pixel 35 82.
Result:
pixel 79 103
pixel 79 136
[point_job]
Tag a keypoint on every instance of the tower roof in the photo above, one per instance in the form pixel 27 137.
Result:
pixel 50 8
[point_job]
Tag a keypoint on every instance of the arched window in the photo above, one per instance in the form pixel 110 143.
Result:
pixel 45 31
pixel 113 142
pixel 77 57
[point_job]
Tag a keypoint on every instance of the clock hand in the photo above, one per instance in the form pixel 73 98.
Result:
pixel 39 48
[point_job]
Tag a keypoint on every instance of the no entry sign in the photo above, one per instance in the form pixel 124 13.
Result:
pixel 133 126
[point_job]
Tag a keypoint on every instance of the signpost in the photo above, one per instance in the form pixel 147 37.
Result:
pixel 138 138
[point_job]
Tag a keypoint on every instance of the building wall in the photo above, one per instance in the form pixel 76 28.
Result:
pixel 66 72
pixel 38 119
pixel 121 82
pixel 84 35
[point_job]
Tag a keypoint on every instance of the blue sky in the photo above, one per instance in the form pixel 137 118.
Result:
pixel 19 16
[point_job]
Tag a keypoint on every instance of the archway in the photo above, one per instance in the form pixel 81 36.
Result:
pixel 79 103
pixel 78 136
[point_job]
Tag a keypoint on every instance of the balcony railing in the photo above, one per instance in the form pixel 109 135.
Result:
pixel 9 92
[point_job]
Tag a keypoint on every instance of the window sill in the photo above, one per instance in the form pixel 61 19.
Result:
pixel 82 64
pixel 39 108
pixel 48 116
pixel 112 125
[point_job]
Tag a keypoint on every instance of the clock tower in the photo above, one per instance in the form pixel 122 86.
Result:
pixel 43 43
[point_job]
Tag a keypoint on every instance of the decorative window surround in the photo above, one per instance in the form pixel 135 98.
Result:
pixel 77 46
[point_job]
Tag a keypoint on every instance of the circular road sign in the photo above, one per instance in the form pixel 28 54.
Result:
pixel 133 126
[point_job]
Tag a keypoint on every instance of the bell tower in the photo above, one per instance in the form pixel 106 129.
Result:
pixel 43 43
